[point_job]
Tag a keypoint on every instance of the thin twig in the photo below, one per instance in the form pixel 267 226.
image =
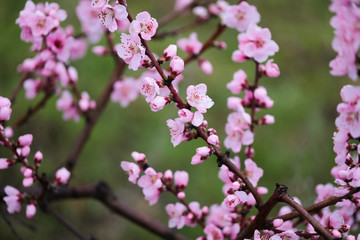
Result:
pixel 317 226
pixel 18 87
pixel 68 225
pixel 31 111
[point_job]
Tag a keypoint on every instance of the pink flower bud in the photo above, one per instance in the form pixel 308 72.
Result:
pixel 158 103
pixel 180 195
pixel 235 185
pixel 277 223
pixel 239 56
pixel 272 69
pixel 336 233
pixel 213 139
pixel 38 158
pixel 25 151
pixel 25 140
pixel 4 163
pixel 28 172
pixel 262 190
pixel 204 151
pixel 139 157
pixel 181 179
pixel 205 210
pixel 5 110
pixel 28 181
pixel 170 52
pixel 220 44
pixel 268 119
pixel 211 131
pixel 30 210
pixel 62 176
pixel 176 65
pixel 8 132
pixel 168 175
pixel 73 74
pixel 206 66
pixel 99 50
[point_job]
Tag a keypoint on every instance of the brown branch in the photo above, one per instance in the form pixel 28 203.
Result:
pixel 32 110
pixel 64 222
pixel 102 192
pixel 264 210
pixel 100 106
pixel 19 85
pixel 318 206
pixel 317 226
pixel 89 125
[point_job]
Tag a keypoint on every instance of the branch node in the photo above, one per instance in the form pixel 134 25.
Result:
pixel 222 158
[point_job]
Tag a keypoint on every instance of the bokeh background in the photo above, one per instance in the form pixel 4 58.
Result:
pixel 296 151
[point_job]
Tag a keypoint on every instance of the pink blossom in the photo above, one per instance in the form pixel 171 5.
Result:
pixel 196 96
pixel 169 52
pixel 182 4
pixel 267 119
pixel 60 44
pixel 177 128
pixel 324 192
pixel 28 181
pixel 90 23
pixel 218 7
pixel 206 66
pixel 25 151
pixel 139 157
pixel 8 132
pixel 177 65
pixel 38 159
pixel 144 25
pixel 235 104
pixel 98 4
pixel 30 210
pixel 272 69
pixel 232 200
pixel 238 83
pixel 252 171
pixel 25 140
pixel 40 24
pixel 240 16
pixel 197 119
pixel 256 43
pixel 213 140
pixel 32 87
pixel 201 12
pixel 85 103
pixel 5 163
pixel 213 233
pixel 239 56
pixel 277 222
pixel 5 110
pixel 109 15
pixel 99 50
pixel 125 91
pixel 158 103
pixel 190 45
pixel 78 48
pixel 66 103
pixel 132 169
pixel 12 199
pixel 185 115
pixel 181 179
pixel 237 131
pixel 62 176
pixel 220 215
pixel 151 183
pixel 168 176
pixel 131 50
pixel 176 214
pixel 149 88
pixel 202 153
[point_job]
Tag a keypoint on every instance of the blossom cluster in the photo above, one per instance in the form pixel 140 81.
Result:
pixel 346 41
pixel 54 47
pixel 21 155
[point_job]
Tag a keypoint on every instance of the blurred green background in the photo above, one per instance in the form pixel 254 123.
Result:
pixel 296 151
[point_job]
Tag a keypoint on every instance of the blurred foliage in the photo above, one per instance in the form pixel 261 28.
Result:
pixel 296 151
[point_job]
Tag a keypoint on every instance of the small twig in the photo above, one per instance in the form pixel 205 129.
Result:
pixel 8 222
pixel 317 226
pixel 264 211
pixel 64 222
pixel 318 206
pixel 18 87
pixel 31 111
